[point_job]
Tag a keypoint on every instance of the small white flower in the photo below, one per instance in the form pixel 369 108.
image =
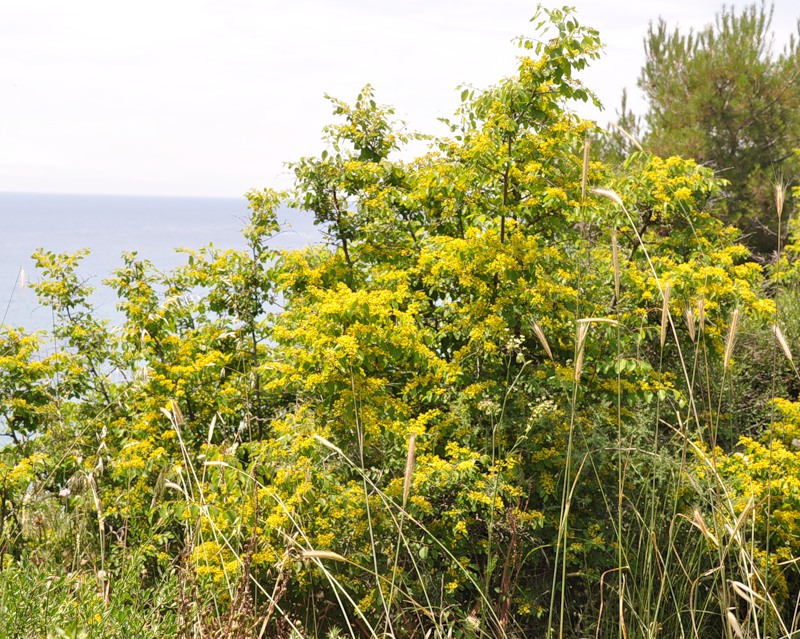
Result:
pixel 64 492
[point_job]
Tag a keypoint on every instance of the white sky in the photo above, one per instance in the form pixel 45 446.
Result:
pixel 211 97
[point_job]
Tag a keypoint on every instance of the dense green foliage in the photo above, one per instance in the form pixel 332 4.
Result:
pixel 723 96
pixel 501 401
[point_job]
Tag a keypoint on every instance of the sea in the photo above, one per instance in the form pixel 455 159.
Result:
pixel 109 225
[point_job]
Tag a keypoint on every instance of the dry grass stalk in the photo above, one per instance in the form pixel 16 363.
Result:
pixel 745 592
pixel 412 445
pixel 174 414
pixel 689 315
pixel 211 427
pixel 615 259
pixel 699 523
pixel 733 622
pixel 734 531
pixel 580 341
pixel 598 320
pixel 608 193
pixel 627 135
pixel 321 554
pixel 730 340
pixel 623 626
pixel 782 342
pixel 328 444
pixel 537 330
pixel 583 329
pixel 780 197
pixel 665 315
pixel 173 486
pixel 585 169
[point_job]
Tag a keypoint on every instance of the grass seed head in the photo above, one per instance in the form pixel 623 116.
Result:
pixel 733 622
pixel 700 524
pixel 321 554
pixel 729 342
pixel 580 343
pixel 780 197
pixel 537 330
pixel 328 444
pixel 627 135
pixel 608 193
pixel 782 342
pixel 745 592
pixel 665 315
pixel 689 315
pixel 412 445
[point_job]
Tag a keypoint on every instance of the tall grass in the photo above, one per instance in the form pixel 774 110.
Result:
pixel 679 573
pixel 42 600
pixel 687 558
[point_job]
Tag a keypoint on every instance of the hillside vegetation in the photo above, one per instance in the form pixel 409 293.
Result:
pixel 518 393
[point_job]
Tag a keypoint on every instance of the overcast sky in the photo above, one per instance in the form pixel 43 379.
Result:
pixel 210 98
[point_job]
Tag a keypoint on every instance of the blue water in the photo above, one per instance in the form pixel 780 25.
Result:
pixel 109 225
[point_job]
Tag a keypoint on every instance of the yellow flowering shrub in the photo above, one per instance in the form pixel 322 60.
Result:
pixel 461 397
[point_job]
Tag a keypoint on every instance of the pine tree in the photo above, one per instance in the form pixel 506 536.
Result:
pixel 722 96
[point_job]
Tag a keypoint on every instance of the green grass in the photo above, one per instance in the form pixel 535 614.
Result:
pixel 38 601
